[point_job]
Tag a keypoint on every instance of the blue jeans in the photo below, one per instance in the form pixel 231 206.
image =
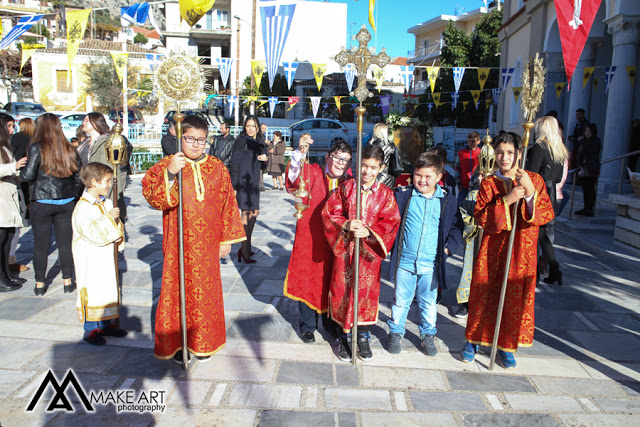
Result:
pixel 406 284
pixel 100 324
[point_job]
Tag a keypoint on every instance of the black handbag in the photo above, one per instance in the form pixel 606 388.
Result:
pixel 395 166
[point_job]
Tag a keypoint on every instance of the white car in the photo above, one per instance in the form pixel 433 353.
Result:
pixel 324 132
pixel 71 121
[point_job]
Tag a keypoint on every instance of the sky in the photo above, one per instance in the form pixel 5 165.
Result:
pixel 395 17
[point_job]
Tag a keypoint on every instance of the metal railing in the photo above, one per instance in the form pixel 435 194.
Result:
pixel 426 51
pixel 622 157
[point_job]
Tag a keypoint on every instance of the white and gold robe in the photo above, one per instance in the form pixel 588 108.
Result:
pixel 94 234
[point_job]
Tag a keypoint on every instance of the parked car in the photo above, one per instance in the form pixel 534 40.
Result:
pixel 325 133
pixel 70 122
pixel 187 113
pixel 135 116
pixel 20 110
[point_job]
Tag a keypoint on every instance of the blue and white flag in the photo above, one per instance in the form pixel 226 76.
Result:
pixel 429 106
pixel 454 100
pixel 458 74
pixel 153 60
pixel 290 71
pixel 609 72
pixel 349 74
pixel 407 74
pixel 315 103
pixel 21 27
pixel 325 105
pixel 232 100
pixel 134 15
pixel 496 95
pixel 276 20
pixel 273 101
pixel 507 73
pixel 224 65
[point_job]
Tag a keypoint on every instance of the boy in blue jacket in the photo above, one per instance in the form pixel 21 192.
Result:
pixel 430 231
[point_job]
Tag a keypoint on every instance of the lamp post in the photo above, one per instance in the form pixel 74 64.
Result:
pixel 253 56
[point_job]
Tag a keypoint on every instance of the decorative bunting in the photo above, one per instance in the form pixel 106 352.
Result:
pixel 407 74
pixel 559 87
pixel 631 71
pixel 506 76
pixel 76 26
pixel 192 10
pixel 429 106
pixel 19 29
pixel 290 72
pixel 276 17
pixel 432 73
pixel 475 94
pixel 337 99
pixel 27 51
pixel 257 68
pixel 454 100
pixel 436 99
pixel 232 99
pixel 349 74
pixel 464 105
pixel 353 106
pixel 378 75
pixel 372 22
pixel 385 103
pixel 516 92
pixel 483 76
pixel 495 93
pixel 273 101
pixel 153 60
pixel 136 14
pixel 224 65
pixel 315 103
pixel 251 98
pixel 574 23
pixel 595 83
pixel 586 75
pixel 609 73
pixel 487 103
pixel 458 74
pixel 318 73
pixel 120 61
pixel 325 105
pixel 293 100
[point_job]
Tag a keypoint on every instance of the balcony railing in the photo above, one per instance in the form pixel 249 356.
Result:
pixel 431 50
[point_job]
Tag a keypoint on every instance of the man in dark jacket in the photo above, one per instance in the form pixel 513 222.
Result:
pixel 222 146
pixel 168 142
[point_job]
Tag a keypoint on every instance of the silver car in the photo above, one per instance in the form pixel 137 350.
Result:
pixel 325 133
pixel 20 110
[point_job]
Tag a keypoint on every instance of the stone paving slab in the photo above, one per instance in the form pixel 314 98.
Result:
pixel 532 366
pixel 174 416
pixel 619 347
pixel 265 396
pixel 357 399
pixel 438 401
pixel 597 420
pixel 618 405
pixel 16 353
pixel 488 382
pixel 318 373
pixel 319 352
pixel 509 420
pixel 22 308
pixel 235 369
pixel 402 378
pixel 271 418
pixel 582 387
pixel 139 362
pixel 64 356
pixel 385 419
pixel 10 381
pixel 520 402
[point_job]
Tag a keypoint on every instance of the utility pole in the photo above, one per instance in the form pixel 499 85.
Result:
pixel 253 51
pixel 237 112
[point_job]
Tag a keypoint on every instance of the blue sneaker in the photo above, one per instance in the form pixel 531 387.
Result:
pixel 468 353
pixel 507 359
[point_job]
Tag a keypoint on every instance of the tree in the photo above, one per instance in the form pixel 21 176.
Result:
pixel 457 44
pixel 103 83
pixel 485 45
pixel 140 39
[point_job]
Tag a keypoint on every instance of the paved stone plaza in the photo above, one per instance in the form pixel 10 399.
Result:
pixel 583 369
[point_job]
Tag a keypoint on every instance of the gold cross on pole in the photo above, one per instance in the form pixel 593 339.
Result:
pixel 362 58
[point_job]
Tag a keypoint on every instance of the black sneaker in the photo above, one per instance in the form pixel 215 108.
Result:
pixel 395 343
pixel 178 357
pixel 344 348
pixel 462 312
pixel 95 338
pixel 364 349
pixel 429 345
pixel 308 337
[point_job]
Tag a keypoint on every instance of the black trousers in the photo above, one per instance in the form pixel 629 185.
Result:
pixel 6 236
pixel 589 191
pixel 309 320
pixel 546 234
pixel 43 217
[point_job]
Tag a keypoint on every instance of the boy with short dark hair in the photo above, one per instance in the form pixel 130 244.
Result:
pixel 377 230
pixel 95 231
pixel 430 231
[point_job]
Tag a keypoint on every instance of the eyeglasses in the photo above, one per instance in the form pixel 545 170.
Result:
pixel 340 160
pixel 193 139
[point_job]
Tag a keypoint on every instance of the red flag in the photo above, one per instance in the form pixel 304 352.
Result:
pixel 575 18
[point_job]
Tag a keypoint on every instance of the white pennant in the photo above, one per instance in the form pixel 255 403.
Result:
pixel 273 101
pixel 315 103
pixel 458 74
pixel 349 73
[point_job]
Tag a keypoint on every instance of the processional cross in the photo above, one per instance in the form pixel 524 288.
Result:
pixel 362 58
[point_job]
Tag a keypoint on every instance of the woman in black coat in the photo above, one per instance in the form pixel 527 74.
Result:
pixel 589 163
pixel 247 161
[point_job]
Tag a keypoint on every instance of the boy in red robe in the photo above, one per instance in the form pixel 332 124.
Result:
pixel 211 224
pixel 493 212
pixel 311 261
pixel 377 230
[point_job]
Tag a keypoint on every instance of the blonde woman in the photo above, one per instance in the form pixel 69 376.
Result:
pixel 381 139
pixel 546 157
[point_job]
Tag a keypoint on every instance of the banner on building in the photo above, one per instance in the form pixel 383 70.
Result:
pixel 559 87
pixel 276 17
pixel 76 26
pixel 192 10
pixel 483 76
pixel 120 62
pixel 432 73
pixel 318 73
pixel 290 71
pixel 257 69
pixel 224 65
pixel 586 75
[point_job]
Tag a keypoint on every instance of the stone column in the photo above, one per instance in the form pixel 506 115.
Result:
pixel 579 97
pixel 625 34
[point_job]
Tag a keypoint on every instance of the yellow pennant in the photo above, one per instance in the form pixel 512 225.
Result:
pixel 250 99
pixel 464 105
pixel 559 87
pixel 120 61
pixel 1 29
pixel 432 72
pixel 372 22
pixel 595 83
pixel 475 94
pixel 318 73
pixel 483 75
pixel 76 26
pixel 27 51
pixel 257 68
pixel 436 99
pixel 586 75
pixel 337 99
pixel 516 92
pixel 192 10
pixel 631 71
pixel 378 75
pixel 262 102
pixel 487 102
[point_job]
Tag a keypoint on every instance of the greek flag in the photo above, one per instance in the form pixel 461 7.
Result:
pixel 506 76
pixel 289 71
pixel 458 74
pixel 276 20
pixel 609 73
pixel 454 100
pixel 496 95
pixel 232 100
pixel 273 101
pixel 21 27
pixel 136 14
pixel 315 103
pixel 429 106
pixel 224 65
pixel 407 74
pixel 349 74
